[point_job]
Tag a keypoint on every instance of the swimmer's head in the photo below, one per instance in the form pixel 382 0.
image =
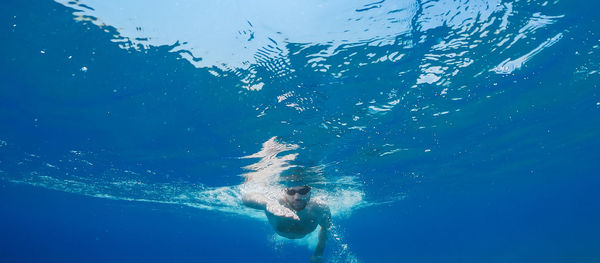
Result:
pixel 297 197
pixel 297 183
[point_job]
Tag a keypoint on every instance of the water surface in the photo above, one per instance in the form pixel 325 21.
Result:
pixel 438 131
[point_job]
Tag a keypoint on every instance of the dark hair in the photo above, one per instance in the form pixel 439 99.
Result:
pixel 301 176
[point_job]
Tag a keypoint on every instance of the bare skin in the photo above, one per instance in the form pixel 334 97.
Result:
pixel 294 216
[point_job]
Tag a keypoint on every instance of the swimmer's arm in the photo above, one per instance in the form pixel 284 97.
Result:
pixel 323 235
pixel 261 202
pixel 255 200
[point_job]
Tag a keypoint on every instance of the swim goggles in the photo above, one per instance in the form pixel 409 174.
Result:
pixel 302 191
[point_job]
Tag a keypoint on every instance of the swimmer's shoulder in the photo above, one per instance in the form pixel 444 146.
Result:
pixel 322 212
pixel 320 205
pixel 318 200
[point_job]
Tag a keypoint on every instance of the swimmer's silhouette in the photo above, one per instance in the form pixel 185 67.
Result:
pixel 293 214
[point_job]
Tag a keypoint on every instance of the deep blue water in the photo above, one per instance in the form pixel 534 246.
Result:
pixel 442 131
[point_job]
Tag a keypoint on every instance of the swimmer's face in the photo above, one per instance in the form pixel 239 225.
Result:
pixel 297 197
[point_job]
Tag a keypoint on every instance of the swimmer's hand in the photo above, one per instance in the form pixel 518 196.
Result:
pixel 279 210
pixel 316 259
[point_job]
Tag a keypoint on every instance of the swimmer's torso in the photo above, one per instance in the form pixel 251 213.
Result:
pixel 291 228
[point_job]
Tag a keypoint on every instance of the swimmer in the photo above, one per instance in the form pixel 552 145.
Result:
pixel 294 215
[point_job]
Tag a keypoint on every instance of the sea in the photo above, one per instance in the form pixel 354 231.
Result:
pixel 435 130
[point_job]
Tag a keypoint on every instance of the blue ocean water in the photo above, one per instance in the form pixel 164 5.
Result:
pixel 438 131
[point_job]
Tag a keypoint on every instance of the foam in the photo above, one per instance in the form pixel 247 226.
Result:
pixel 263 176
